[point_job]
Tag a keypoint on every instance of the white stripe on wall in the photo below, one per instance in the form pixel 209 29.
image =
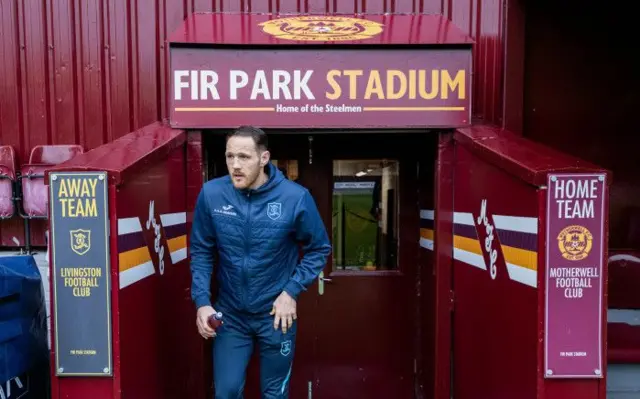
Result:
pixel 463 218
pixel 427 214
pixel 426 243
pixel 177 256
pixel 626 316
pixel 470 258
pixel 523 275
pixel 516 223
pixel 171 219
pixel 129 225
pixel 136 274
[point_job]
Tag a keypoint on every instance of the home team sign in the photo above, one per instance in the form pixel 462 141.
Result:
pixel 575 244
pixel 213 87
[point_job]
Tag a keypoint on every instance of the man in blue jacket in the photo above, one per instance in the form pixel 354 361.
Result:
pixel 253 221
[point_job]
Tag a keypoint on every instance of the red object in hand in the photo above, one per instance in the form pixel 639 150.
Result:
pixel 215 320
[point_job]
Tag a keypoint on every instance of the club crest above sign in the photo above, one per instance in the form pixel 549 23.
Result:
pixel 322 28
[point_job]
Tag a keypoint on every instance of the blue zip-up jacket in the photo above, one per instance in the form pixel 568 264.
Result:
pixel 255 235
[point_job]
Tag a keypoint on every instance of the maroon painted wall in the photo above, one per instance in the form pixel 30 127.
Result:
pixel 486 325
pixel 88 72
pixel 582 96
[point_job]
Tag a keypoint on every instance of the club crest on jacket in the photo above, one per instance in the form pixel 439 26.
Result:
pixel 274 210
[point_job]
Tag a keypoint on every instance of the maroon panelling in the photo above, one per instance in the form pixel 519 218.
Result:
pixel 581 97
pixel 78 72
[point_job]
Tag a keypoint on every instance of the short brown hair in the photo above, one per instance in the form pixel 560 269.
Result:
pixel 258 135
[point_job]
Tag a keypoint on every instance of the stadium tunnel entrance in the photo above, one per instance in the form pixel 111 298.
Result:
pixel 447 267
pixel 361 325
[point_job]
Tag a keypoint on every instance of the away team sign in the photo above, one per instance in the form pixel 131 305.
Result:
pixel 337 87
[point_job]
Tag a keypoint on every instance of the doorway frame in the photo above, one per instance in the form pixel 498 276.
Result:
pixel 442 195
pixel 443 265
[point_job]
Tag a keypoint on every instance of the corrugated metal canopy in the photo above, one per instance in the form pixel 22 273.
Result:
pixel 270 29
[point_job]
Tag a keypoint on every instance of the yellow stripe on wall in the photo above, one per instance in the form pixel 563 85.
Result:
pixel 177 243
pixel 426 233
pixel 134 258
pixel 467 244
pixel 520 257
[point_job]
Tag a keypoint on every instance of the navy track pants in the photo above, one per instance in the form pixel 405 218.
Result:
pixel 234 345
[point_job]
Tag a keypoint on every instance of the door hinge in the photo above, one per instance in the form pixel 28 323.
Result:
pixel 310 389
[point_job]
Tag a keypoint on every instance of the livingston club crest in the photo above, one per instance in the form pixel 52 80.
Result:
pixel 322 28
pixel 80 241
pixel 274 210
pixel 575 242
pixel 285 348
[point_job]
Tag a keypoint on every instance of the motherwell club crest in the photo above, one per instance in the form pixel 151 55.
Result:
pixel 80 241
pixel 575 242
pixel 322 28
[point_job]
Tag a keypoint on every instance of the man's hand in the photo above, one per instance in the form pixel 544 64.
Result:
pixel 284 308
pixel 202 321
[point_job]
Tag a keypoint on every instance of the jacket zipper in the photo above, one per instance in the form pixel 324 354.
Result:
pixel 247 239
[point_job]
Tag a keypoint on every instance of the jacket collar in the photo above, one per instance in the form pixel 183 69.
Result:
pixel 275 176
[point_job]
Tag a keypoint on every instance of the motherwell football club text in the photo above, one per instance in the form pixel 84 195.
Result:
pixel 575 200
pixel 573 280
